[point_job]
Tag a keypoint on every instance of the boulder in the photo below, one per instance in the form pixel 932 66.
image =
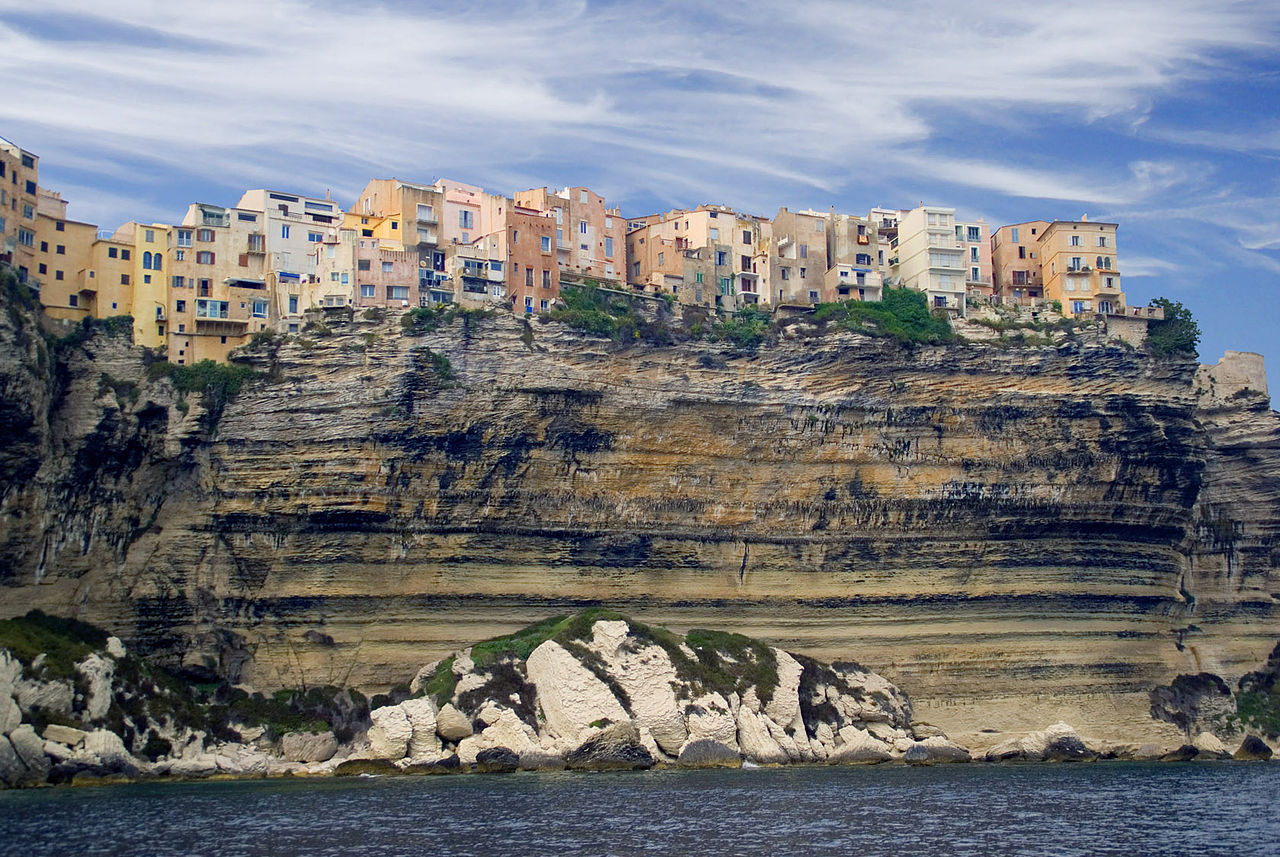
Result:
pixel 783 707
pixel 647 676
pixel 30 749
pixel 934 751
pixel 616 747
pixel 705 753
pixel 497 760
pixel 541 760
pixel 858 747
pixel 58 752
pixel 1253 749
pixel 12 771
pixel 1062 744
pixel 390 733
pixel 710 716
pixel 1185 753
pixel 571 696
pixel 241 761
pixel 755 738
pixel 443 764
pixel 1210 747
pixel 115 648
pixel 105 746
pixel 98 674
pixel 55 696
pixel 452 724
pixel 308 746
pixel 10 672
pixel 359 767
pixel 10 714
pixel 198 765
pixel 926 730
pixel 421 714
pixel 64 734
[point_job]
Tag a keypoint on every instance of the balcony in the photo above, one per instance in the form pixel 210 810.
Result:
pixel 257 244
pixel 428 219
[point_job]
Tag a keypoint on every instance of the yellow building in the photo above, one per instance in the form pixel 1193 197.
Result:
pixel 151 252
pixel 19 200
pixel 1078 260
pixel 63 261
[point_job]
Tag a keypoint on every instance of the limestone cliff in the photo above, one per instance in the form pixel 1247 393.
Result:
pixel 1013 535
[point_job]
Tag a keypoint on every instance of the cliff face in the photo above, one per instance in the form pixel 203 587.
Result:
pixel 1013 536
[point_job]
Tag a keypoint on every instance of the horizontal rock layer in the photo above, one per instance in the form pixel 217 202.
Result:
pixel 1013 536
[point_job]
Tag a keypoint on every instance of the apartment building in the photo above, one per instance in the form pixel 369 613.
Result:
pixel 885 221
pixel 476 273
pixel 62 261
pixel 291 225
pixel 853 246
pixel 688 254
pixel 1015 261
pixel 413 212
pixel 590 237
pixel 797 256
pixel 533 278
pixel 1078 261
pixel 929 259
pixel 217 283
pixel 975 252
pixel 19 200
pixel 150 250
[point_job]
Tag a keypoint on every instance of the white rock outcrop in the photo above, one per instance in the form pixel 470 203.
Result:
pixel 571 696
pixel 390 733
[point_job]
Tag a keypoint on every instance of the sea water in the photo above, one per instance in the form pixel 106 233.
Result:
pixel 1083 809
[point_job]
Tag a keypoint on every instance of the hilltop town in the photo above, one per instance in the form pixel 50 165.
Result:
pixel 200 288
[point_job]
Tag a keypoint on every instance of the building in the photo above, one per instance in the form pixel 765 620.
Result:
pixel 533 276
pixel 797 257
pixel 975 251
pixel 590 237
pixel 929 259
pixel 853 246
pixel 1078 262
pixel 1015 261
pixel 688 254
pixel 413 211
pixel 291 226
pixel 62 262
pixel 150 295
pixel 19 201
pixel 217 282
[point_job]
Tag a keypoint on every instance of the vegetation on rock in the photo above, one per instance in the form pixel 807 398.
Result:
pixel 217 383
pixel 1177 334
pixel 902 314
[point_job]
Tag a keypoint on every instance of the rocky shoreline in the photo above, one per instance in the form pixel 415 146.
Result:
pixel 592 691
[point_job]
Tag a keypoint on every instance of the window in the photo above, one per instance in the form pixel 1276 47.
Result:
pixel 28 211
pixel 425 213
pixel 973 254
pixel 975 275
pixel 211 309
pixel 495 265
pixel 43 268
pixel 546 243
pixel 804 251
pixel 259 309
pixel 608 248
pixel 57 275
pixel 466 219
pixel 179 282
pixel 367 292
pixel 786 273
pixel 1013 235
pixel 1079 306
pixel 31 188
pixel 1102 241
pixel 26 238
pixel 528 304
pixel 284 231
pixel 28 161
pixel 386 267
pixel 397 293
pixel 124 279
pixel 146 278
pixel 722 258
pixel 60 226
pixel 1022 252
pixel 245 216
pixel 293 303
pixel 528 276
pixel 345 279
pixel 395 224
pixel 546 279
pixel 124 254
pixel 746 236
pixel 179 255
pixel 724 284
pixel 61 250
pixel 813 297
pixel 1076 262
pixel 204 257
pixel 72 300
pixel 146 260
pixel 544 304
pixel 362 264
pixel 862 259
pixel 112 253
pixel 1075 240
pixel 315 237
pixel 1019 278
pixel 661 257
pixel 582 227
pixel 184 237
pixel 366 233
pixel 179 306
pixel 204 235
pixel 802 273
pixel 698 277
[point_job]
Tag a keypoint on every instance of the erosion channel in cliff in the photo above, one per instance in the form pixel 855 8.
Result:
pixel 1013 535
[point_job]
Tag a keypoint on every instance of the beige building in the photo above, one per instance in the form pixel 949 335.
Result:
pixel 218 282
pixel 533 270
pixel 929 259
pixel 19 202
pixel 688 254
pixel 590 239
pixel 853 246
pixel 975 251
pixel 797 255
pixel 1015 261
pixel 1078 260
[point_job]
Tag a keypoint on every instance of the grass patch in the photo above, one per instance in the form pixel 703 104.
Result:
pixel 442 683
pixel 423 320
pixel 63 642
pixel 902 314
pixel 746 328
pixel 217 383
pixel 604 313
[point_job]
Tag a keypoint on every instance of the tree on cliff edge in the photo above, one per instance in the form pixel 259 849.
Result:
pixel 1177 335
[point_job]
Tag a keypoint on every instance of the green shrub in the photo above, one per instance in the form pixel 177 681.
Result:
pixel 63 642
pixel 748 327
pixel 605 313
pixel 217 383
pixel 1177 334
pixel 902 314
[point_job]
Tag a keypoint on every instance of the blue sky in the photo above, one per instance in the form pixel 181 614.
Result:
pixel 1163 115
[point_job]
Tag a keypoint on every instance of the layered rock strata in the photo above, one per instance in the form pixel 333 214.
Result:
pixel 1016 536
